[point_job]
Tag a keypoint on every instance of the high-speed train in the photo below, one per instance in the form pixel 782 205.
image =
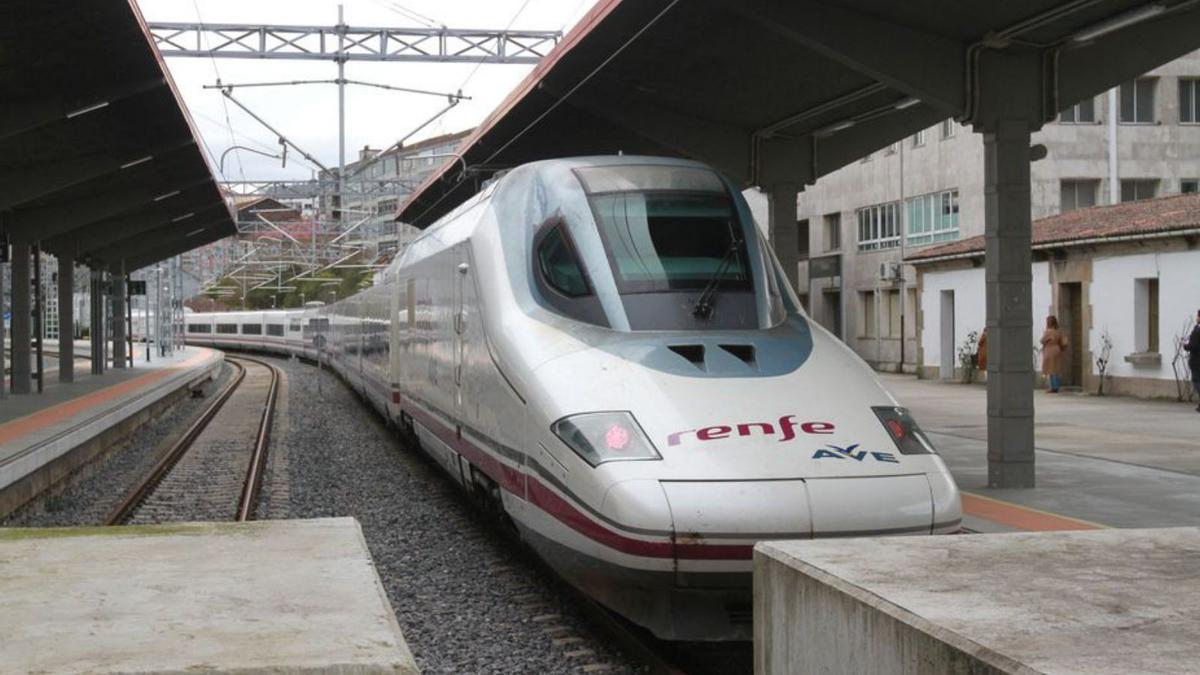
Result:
pixel 607 348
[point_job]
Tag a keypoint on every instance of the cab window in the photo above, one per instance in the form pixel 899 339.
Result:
pixel 560 268
pixel 561 281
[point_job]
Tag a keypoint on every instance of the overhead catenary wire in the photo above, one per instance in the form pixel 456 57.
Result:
pixel 228 124
pixel 559 101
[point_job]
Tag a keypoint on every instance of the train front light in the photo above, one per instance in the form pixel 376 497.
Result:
pixel 903 429
pixel 600 437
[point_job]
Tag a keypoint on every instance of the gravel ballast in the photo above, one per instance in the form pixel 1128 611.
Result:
pixel 468 599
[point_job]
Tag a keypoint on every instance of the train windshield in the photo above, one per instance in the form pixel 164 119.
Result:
pixel 674 245
pixel 670 241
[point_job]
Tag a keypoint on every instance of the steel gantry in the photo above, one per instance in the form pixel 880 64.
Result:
pixel 270 41
pixel 332 189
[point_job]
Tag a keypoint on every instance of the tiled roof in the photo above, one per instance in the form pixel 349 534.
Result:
pixel 1150 216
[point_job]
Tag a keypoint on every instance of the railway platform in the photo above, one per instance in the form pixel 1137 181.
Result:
pixel 1090 571
pixel 296 596
pixel 1101 461
pixel 44 437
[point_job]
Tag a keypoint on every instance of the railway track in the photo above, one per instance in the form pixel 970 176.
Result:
pixel 209 473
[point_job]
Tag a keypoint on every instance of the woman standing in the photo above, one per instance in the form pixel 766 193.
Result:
pixel 1054 343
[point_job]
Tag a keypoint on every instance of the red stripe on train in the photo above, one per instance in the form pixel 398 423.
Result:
pixel 539 494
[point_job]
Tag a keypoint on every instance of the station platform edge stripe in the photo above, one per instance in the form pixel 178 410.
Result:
pixel 1021 517
pixel 14 429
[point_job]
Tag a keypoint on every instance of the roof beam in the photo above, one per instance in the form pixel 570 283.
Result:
pixel 140 260
pixel 26 184
pixel 921 64
pixel 60 217
pixel 21 117
pixel 131 247
pixel 108 232
pixel 1089 68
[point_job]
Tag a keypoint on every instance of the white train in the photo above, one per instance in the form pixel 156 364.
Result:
pixel 608 349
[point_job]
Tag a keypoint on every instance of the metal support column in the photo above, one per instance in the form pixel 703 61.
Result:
pixel 21 315
pixel 39 319
pixel 3 309
pixel 1007 228
pixel 96 332
pixel 118 321
pixel 66 319
pixel 128 318
pixel 783 229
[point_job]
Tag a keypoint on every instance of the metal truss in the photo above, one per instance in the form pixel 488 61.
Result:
pixel 349 43
pixel 320 189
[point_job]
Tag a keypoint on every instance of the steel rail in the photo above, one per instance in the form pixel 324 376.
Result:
pixel 248 502
pixel 125 510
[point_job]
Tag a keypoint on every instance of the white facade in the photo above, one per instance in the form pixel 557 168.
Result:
pixel 1115 302
pixel 953 306
pixel 1117 307
pixel 942 167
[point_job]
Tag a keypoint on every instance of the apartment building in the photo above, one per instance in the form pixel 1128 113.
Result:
pixel 1139 141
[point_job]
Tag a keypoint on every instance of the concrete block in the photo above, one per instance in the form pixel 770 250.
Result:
pixel 1098 601
pixel 262 597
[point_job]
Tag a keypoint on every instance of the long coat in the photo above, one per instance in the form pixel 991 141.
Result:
pixel 1193 350
pixel 1054 343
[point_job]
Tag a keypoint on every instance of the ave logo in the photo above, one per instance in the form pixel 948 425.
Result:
pixel 852 452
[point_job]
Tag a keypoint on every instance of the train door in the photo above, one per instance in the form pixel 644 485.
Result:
pixel 461 272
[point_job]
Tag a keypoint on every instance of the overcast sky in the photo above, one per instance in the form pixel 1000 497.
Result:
pixel 307 114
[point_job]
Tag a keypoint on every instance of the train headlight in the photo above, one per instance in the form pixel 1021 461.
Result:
pixel 605 437
pixel 903 429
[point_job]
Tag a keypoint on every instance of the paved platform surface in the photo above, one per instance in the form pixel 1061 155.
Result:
pixel 264 597
pixel 37 429
pixel 1105 601
pixel 1101 461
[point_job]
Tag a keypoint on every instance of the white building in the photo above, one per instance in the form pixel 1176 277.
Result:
pixel 1128 273
pixel 1142 141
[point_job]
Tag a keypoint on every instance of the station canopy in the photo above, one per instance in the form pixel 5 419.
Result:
pixel 99 159
pixel 790 90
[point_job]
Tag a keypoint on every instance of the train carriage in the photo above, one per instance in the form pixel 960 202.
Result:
pixel 608 350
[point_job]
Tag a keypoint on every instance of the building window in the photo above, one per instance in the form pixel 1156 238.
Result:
pixel 1137 101
pixel 1077 194
pixel 1145 313
pixel 866 314
pixel 1189 101
pixel 879 227
pixel 833 231
pixel 947 128
pixel 918 139
pixel 1133 189
pixel 933 217
pixel 1189 186
pixel 802 241
pixel 1083 112
pixel 890 308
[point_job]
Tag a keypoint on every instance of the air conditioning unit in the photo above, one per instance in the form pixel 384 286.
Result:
pixel 890 271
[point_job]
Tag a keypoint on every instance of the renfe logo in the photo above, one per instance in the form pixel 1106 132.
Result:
pixel 787 430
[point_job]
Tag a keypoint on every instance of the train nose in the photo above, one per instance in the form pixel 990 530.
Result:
pixel 721 520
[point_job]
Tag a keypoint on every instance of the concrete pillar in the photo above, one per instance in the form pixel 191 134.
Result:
pixel 66 319
pixel 118 320
pixel 782 229
pixel 1007 229
pixel 21 317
